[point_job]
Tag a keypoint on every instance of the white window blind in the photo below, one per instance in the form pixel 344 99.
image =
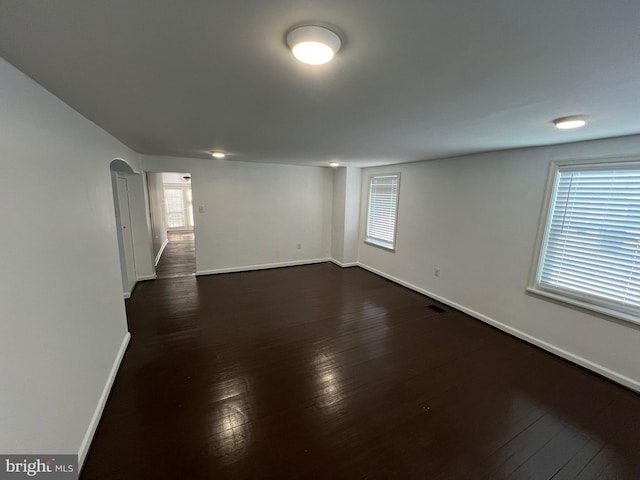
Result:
pixel 591 248
pixel 383 207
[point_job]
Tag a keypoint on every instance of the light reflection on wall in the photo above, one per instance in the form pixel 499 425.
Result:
pixel 230 422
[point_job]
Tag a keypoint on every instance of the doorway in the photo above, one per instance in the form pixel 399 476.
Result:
pixel 172 223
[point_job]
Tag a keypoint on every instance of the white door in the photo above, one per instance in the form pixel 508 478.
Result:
pixel 125 233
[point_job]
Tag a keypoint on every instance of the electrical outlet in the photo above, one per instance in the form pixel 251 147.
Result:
pixel 436 272
pixel 299 246
pixel 200 208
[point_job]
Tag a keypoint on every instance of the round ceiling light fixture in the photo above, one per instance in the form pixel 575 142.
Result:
pixel 334 163
pixel 568 123
pixel 217 155
pixel 313 45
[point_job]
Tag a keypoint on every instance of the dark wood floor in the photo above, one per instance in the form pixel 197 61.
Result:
pixel 319 372
pixel 179 256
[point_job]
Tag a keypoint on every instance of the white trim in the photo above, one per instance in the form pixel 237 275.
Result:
pixel 97 414
pixel 128 293
pixel 143 278
pixel 542 223
pixel 160 252
pixel 586 305
pixel 583 362
pixel 380 244
pixel 344 265
pixel 264 266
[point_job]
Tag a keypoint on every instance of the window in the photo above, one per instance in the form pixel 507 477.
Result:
pixel 383 209
pixel 589 254
pixel 178 207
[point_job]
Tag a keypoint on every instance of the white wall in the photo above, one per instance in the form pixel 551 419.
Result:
pixel 476 218
pixel 156 207
pixel 346 212
pixel 62 317
pixel 255 214
pixel 352 214
pixel 338 208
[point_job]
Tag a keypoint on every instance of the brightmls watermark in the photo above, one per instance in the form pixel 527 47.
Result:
pixel 49 467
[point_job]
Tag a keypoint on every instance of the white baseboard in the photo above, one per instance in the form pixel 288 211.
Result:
pixel 128 293
pixel 583 362
pixel 164 244
pixel 344 265
pixel 97 414
pixel 264 266
pixel 147 277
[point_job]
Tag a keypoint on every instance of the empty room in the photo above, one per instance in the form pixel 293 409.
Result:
pixel 320 239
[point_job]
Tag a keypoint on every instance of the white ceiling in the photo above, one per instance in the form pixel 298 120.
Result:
pixel 416 79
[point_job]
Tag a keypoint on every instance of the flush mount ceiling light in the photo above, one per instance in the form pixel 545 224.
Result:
pixel 567 123
pixel 218 155
pixel 334 164
pixel 313 45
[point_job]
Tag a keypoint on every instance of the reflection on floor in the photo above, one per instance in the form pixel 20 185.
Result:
pixel 321 372
pixel 179 256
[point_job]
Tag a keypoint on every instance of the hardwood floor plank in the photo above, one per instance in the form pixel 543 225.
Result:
pixel 320 372
pixel 179 256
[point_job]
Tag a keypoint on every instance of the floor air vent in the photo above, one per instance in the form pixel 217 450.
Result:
pixel 436 308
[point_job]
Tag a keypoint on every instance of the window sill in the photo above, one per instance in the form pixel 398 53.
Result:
pixel 380 244
pixel 602 310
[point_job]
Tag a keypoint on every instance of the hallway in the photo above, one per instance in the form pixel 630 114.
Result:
pixel 179 256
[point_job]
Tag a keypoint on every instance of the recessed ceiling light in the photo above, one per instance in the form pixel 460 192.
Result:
pixel 567 123
pixel 218 155
pixel 334 164
pixel 313 45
